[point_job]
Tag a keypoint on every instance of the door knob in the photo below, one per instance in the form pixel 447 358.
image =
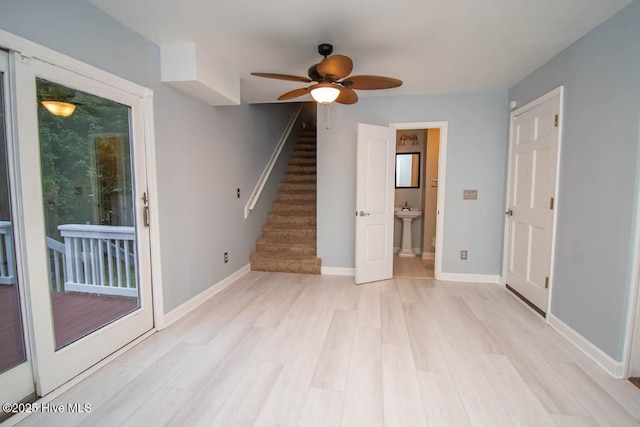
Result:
pixel 509 212
pixel 364 214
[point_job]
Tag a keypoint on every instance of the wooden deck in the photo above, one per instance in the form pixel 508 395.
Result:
pixel 77 315
pixel 11 342
pixel 74 316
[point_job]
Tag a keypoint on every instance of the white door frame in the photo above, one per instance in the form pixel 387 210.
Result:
pixel 30 49
pixel 559 91
pixel 442 174
pixel 631 353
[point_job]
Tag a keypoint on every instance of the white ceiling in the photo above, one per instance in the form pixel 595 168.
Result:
pixel 434 46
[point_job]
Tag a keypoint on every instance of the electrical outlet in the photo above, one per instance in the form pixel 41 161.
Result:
pixel 463 254
pixel 238 193
pixel 226 257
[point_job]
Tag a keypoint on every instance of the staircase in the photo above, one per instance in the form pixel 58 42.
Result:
pixel 288 242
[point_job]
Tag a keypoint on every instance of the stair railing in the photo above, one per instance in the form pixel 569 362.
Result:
pixel 264 177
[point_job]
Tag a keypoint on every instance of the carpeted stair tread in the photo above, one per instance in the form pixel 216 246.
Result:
pixel 281 197
pixel 302 161
pixel 299 177
pixel 302 169
pixel 290 219
pixel 293 234
pixel 270 245
pixel 298 186
pixel 308 207
pixel 297 153
pixel 312 265
pixel 306 146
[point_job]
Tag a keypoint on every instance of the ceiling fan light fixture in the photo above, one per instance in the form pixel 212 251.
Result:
pixel 58 108
pixel 325 94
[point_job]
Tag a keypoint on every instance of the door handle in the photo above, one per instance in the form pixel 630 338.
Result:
pixel 145 215
pixel 364 214
pixel 509 212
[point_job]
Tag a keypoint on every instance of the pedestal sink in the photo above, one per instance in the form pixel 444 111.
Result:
pixel 406 247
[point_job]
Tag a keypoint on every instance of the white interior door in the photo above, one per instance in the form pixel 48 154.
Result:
pixel 376 146
pixel 530 214
pixel 16 371
pixel 89 275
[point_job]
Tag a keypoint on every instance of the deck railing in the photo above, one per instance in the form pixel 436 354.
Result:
pixel 7 264
pixel 57 264
pixel 99 259
pixel 96 259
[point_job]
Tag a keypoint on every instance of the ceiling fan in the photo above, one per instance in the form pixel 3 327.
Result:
pixel 332 81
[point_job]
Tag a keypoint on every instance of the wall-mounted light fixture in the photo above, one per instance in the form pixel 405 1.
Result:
pixel 58 108
pixel 409 138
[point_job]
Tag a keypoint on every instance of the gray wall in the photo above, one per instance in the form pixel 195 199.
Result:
pixel 598 168
pixel 203 153
pixel 476 159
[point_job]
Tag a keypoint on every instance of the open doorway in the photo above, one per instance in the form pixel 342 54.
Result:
pixel 418 199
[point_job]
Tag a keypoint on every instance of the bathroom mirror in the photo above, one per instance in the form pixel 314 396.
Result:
pixel 407 170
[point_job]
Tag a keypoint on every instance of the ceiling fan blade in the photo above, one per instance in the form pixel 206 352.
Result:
pixel 282 77
pixel 347 96
pixel 366 82
pixel 293 94
pixel 335 67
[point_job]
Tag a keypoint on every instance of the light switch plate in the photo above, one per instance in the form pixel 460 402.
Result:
pixel 469 194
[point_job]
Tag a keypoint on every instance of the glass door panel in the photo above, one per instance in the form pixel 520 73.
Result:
pixel 12 348
pixel 87 244
pixel 87 192
pixel 16 379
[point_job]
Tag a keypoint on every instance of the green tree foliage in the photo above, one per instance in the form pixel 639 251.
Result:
pixel 79 171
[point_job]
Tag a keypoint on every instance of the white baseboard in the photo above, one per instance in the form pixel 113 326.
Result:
pixel 606 362
pixel 338 271
pixel 428 255
pixel 463 277
pixel 190 305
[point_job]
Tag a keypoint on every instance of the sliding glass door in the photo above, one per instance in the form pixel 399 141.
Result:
pixel 82 175
pixel 16 378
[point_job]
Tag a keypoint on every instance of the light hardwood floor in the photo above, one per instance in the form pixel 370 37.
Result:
pixel 279 349
pixel 415 267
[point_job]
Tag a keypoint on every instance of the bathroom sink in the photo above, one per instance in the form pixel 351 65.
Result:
pixel 407 214
pixel 407 218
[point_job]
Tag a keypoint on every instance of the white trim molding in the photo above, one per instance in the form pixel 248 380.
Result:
pixel 190 305
pixel 338 271
pixel 475 278
pixel 606 362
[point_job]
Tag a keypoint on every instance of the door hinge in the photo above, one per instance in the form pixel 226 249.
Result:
pixel 546 282
pixel 551 203
pixel 556 120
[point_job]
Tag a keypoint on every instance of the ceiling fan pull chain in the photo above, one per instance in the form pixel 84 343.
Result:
pixel 326 116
